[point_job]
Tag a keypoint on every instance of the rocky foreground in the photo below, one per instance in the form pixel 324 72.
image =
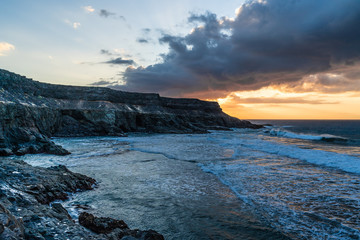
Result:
pixel 27 210
pixel 32 112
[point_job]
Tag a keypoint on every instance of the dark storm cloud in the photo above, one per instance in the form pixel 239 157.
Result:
pixel 269 42
pixel 343 78
pixel 120 61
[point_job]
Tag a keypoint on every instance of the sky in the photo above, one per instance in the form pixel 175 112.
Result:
pixel 260 59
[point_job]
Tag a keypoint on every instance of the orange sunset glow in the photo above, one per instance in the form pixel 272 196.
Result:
pixel 271 103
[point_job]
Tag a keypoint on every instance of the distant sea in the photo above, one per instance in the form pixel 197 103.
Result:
pixel 338 131
pixel 297 179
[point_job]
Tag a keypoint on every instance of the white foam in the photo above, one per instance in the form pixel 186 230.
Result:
pixel 226 145
pixel 263 173
pixel 331 159
pixel 321 137
pixel 214 169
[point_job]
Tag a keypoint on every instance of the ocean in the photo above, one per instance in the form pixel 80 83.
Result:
pixel 293 179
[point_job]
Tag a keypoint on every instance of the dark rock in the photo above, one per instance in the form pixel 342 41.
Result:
pixel 31 112
pixel 146 235
pixel 25 192
pixel 115 229
pixel 100 224
pixel 5 152
pixel 33 235
pixel 52 148
pixel 57 182
pixel 45 184
pixel 60 212
pixel 22 151
pixel 153 235
pixel 128 234
pixel 10 227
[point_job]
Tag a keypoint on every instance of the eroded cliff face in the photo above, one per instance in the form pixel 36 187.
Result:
pixel 31 112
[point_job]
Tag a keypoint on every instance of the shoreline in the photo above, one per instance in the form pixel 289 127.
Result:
pixel 32 112
pixel 143 178
pixel 149 190
pixel 28 207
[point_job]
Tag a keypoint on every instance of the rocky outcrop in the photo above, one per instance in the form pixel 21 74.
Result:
pixel 100 224
pixel 26 210
pixel 25 194
pixel 115 229
pixel 32 112
pixel 25 129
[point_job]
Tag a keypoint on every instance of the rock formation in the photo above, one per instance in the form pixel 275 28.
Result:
pixel 115 229
pixel 27 210
pixel 32 112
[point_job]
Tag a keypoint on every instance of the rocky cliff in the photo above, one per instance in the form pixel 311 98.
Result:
pixel 32 112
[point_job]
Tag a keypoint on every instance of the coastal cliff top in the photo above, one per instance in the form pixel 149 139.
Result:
pixel 18 85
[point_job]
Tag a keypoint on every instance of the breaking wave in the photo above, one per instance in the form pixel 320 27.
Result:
pixel 278 132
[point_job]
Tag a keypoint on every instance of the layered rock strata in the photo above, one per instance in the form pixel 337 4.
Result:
pixel 32 112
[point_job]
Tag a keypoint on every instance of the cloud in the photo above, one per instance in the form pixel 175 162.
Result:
pixel 105 13
pixel 142 40
pixel 114 61
pixel 116 52
pixel 145 38
pixel 76 25
pixel 102 83
pixel 5 47
pixel 340 79
pixel 269 42
pixel 120 61
pixel 295 100
pixel 105 52
pixel 89 9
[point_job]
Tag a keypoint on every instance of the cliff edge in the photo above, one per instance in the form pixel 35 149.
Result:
pixel 32 112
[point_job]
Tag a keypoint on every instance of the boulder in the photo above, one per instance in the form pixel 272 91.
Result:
pixel 116 229
pixel 100 224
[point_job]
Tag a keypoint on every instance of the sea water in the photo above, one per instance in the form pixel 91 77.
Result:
pixel 296 179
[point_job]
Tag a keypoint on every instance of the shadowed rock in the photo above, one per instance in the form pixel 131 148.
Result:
pixel 31 112
pixel 25 194
pixel 115 229
pixel 10 227
pixel 45 184
pixel 100 224
pixel 26 211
